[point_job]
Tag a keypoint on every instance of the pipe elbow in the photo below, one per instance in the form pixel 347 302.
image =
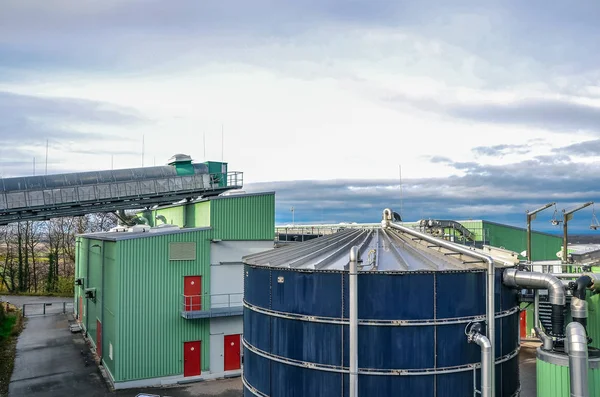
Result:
pixel 556 290
pixel 509 278
pixel 354 254
pixel 483 342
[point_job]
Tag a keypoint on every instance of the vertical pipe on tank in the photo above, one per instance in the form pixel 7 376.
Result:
pixel 354 259
pixel 578 359
pixel 487 359
pixel 491 321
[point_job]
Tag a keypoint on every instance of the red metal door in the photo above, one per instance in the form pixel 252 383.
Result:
pixel 191 358
pixel 523 324
pixel 80 314
pixel 192 290
pixel 232 352
pixel 99 338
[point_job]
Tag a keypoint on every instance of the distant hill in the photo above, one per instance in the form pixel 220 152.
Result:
pixel 584 239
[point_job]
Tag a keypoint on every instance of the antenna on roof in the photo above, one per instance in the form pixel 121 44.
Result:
pixel 143 137
pixel 222 142
pixel 400 176
pixel 204 144
pixel 46 172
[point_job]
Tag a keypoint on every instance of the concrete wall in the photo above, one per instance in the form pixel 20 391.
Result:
pixel 219 327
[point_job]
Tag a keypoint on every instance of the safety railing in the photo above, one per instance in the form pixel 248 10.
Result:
pixel 207 302
pixel 46 308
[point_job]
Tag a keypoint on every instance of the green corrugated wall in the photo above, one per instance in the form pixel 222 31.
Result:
pixel 151 330
pixel 554 380
pixel 110 325
pixel 94 281
pixel 174 215
pixel 244 218
pixel 544 246
pixel 198 214
pixel 593 324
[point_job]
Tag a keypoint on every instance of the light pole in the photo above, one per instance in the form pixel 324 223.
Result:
pixel 567 216
pixel 292 209
pixel 530 217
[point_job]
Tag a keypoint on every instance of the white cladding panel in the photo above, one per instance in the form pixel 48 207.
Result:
pixel 219 327
pixel 227 270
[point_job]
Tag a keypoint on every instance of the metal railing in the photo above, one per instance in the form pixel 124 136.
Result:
pixel 206 302
pixel 46 308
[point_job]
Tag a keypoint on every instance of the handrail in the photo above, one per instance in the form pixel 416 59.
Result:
pixel 205 302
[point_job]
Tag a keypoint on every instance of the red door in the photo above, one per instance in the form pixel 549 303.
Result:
pixel 99 338
pixel 80 314
pixel 192 290
pixel 191 358
pixel 523 324
pixel 232 352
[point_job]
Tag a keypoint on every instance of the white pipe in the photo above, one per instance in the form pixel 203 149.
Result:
pixel 578 360
pixel 354 259
pixel 486 360
pixel 490 314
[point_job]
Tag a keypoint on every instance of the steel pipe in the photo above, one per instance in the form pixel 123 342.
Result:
pixel 487 359
pixel 353 269
pixel 556 291
pixel 578 359
pixel 387 221
pixel 547 342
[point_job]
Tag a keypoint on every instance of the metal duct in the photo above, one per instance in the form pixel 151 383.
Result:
pixel 490 314
pixel 556 292
pixel 578 359
pixel 474 336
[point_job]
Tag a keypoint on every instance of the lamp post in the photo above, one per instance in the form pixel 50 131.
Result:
pixel 530 217
pixel 292 209
pixel 567 216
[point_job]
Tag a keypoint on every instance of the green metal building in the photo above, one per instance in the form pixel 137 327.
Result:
pixel 162 302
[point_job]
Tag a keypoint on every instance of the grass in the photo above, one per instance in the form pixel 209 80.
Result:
pixel 10 329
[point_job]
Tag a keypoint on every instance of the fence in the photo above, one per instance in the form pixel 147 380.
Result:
pixel 46 308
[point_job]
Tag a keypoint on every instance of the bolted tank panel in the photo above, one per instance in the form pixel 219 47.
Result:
pixel 552 374
pixel 413 308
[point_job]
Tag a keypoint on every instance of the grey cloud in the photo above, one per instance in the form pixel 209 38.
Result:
pixel 496 193
pixel 550 114
pixel 586 149
pixel 556 115
pixel 501 150
pixel 117 34
pixel 30 120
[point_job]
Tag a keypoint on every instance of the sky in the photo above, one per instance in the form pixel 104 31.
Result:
pixel 482 109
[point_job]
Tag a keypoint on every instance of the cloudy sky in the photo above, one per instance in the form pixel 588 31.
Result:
pixel 490 107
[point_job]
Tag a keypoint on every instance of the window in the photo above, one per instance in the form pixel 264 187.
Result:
pixel 182 251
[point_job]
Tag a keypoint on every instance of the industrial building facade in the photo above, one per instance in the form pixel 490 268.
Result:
pixel 163 303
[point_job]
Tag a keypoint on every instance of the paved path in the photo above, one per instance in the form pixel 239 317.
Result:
pixel 53 362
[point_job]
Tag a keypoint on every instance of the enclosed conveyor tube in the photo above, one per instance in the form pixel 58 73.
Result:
pixel 578 359
pixel 388 221
pixel 556 292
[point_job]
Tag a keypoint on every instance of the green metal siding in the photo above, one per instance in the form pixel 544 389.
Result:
pixel 174 215
pixel 554 380
pixel 544 247
pixel 198 214
pixel 244 218
pixel 593 325
pixel 94 281
pixel 111 305
pixel 151 330
pixel 476 227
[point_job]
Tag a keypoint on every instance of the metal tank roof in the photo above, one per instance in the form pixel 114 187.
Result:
pixel 385 248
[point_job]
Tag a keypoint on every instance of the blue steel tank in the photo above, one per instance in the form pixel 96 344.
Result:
pixel 415 302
